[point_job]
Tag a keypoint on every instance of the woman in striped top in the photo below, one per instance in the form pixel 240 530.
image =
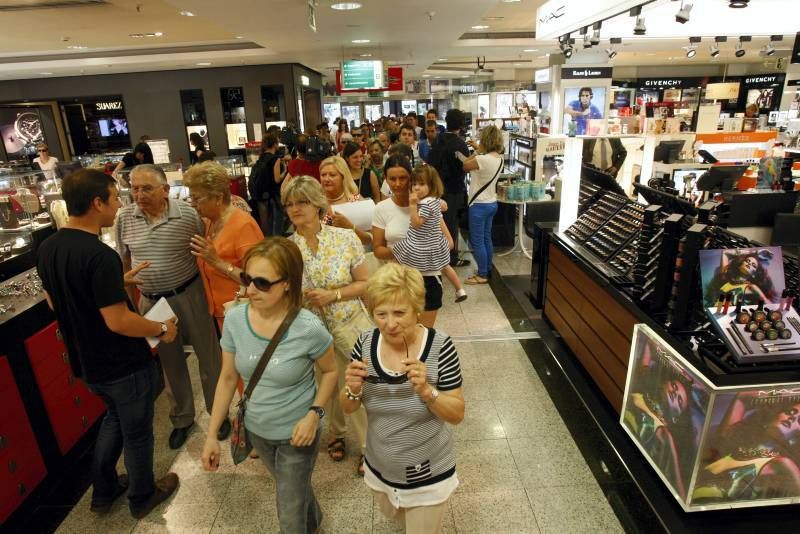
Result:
pixel 408 378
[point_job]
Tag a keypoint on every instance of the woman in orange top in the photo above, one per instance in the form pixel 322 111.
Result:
pixel 230 233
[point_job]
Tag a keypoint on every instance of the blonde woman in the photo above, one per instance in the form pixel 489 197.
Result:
pixel 229 234
pixel 484 168
pixel 334 276
pixel 284 415
pixel 408 378
pixel 339 187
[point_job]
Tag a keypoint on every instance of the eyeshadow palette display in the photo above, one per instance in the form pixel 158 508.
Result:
pixel 587 195
pixel 620 228
pixel 757 333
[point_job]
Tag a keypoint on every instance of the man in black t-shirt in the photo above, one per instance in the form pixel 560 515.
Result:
pixel 451 170
pixel 84 286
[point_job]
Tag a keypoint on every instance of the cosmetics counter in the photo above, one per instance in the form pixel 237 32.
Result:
pixel 716 421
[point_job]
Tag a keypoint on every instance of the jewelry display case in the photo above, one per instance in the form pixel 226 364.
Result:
pixel 23 211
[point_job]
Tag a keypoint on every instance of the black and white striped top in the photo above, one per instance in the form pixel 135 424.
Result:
pixel 164 243
pixel 407 445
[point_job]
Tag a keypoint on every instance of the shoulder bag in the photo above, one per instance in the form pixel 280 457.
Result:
pixel 487 184
pixel 240 445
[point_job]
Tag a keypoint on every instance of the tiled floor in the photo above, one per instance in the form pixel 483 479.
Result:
pixel 519 469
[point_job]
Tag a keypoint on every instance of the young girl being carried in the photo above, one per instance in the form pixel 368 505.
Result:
pixel 427 245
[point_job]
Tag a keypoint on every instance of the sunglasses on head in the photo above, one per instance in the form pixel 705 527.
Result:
pixel 261 283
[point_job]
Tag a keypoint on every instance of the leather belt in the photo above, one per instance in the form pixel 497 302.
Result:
pixel 173 292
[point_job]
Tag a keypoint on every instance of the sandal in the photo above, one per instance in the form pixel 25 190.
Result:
pixel 361 467
pixel 476 280
pixel 336 450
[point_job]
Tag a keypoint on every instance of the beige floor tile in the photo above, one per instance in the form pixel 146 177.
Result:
pixel 475 387
pixel 255 517
pixel 481 422
pixel 347 516
pixel 573 510
pixel 528 416
pixel 490 512
pixel 180 519
pixel 545 464
pixel 81 520
pixel 486 466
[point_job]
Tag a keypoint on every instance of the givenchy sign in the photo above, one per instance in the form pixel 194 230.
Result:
pixel 760 79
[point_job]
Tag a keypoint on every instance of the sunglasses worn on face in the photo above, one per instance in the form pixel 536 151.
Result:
pixel 261 283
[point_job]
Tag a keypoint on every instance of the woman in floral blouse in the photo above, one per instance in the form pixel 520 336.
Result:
pixel 334 278
pixel 339 188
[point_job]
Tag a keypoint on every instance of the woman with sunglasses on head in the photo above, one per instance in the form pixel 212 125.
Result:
pixel 283 416
pixel 408 378
pixel 334 277
pixel 366 181
pixel 230 234
pixel 339 188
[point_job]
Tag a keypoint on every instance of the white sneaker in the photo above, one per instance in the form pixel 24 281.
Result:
pixel 461 295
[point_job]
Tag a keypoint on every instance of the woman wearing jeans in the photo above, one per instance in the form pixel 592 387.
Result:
pixel 284 412
pixel 483 169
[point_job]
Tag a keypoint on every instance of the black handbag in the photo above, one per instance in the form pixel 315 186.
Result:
pixel 240 445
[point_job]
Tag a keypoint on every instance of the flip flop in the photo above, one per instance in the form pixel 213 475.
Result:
pixel 336 450
pixel 361 467
pixel 476 280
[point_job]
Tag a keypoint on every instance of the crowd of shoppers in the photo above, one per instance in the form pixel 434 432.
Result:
pixel 359 346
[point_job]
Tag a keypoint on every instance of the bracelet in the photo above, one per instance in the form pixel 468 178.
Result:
pixel 229 270
pixel 338 295
pixel 352 396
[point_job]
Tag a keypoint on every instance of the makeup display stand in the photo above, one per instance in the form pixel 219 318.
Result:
pixel 746 349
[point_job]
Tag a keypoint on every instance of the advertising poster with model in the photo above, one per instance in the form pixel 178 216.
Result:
pixel 749 275
pixel 752 447
pixel 666 402
pixel 585 104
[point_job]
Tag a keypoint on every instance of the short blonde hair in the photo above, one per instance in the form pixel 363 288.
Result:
pixel 306 188
pixel 491 140
pixel 343 169
pixel 395 282
pixel 287 259
pixel 210 177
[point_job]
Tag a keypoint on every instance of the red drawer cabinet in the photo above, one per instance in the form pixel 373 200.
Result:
pixel 21 464
pixel 71 407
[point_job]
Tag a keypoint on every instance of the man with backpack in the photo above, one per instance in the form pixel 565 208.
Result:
pixel 264 186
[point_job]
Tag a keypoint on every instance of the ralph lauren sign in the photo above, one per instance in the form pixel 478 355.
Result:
pixel 585 73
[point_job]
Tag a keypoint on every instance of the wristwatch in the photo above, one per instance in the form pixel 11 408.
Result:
pixel 434 395
pixel 163 329
pixel 320 411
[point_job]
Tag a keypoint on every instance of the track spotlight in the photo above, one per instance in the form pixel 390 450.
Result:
pixel 768 50
pixel 595 38
pixel 611 53
pixel 640 28
pixel 714 51
pixel 587 41
pixel 691 52
pixel 738 4
pixel 635 11
pixel 568 51
pixel 682 15
pixel 739 50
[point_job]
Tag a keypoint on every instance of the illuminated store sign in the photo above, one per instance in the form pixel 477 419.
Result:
pixel 585 73
pixel 105 106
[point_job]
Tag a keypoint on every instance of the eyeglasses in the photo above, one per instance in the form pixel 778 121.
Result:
pixel 261 283
pixel 146 189
pixel 42 150
pixel 296 203
pixel 401 379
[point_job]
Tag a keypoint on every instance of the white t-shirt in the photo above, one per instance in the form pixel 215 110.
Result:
pixel 487 168
pixel 48 167
pixel 392 219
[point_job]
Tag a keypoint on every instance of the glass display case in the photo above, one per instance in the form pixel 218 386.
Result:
pixel 715 447
pixel 22 209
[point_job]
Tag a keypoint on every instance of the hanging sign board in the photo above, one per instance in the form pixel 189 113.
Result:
pixel 393 81
pixel 722 91
pixel 541 76
pixel 585 73
pixel 668 83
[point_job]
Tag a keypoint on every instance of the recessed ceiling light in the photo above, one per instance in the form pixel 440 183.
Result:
pixel 203 64
pixel 366 55
pixel 517 64
pixel 239 37
pixel 359 41
pixel 437 77
pixel 480 27
pixel 158 34
pixel 510 1
pixel 531 50
pixel 465 76
pixel 77 47
pixel 45 73
pixel 187 13
pixel 426 75
pixel 345 6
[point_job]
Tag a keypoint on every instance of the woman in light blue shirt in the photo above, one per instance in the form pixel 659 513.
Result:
pixel 284 411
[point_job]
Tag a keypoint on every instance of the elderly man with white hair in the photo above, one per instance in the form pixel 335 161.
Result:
pixel 156 231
